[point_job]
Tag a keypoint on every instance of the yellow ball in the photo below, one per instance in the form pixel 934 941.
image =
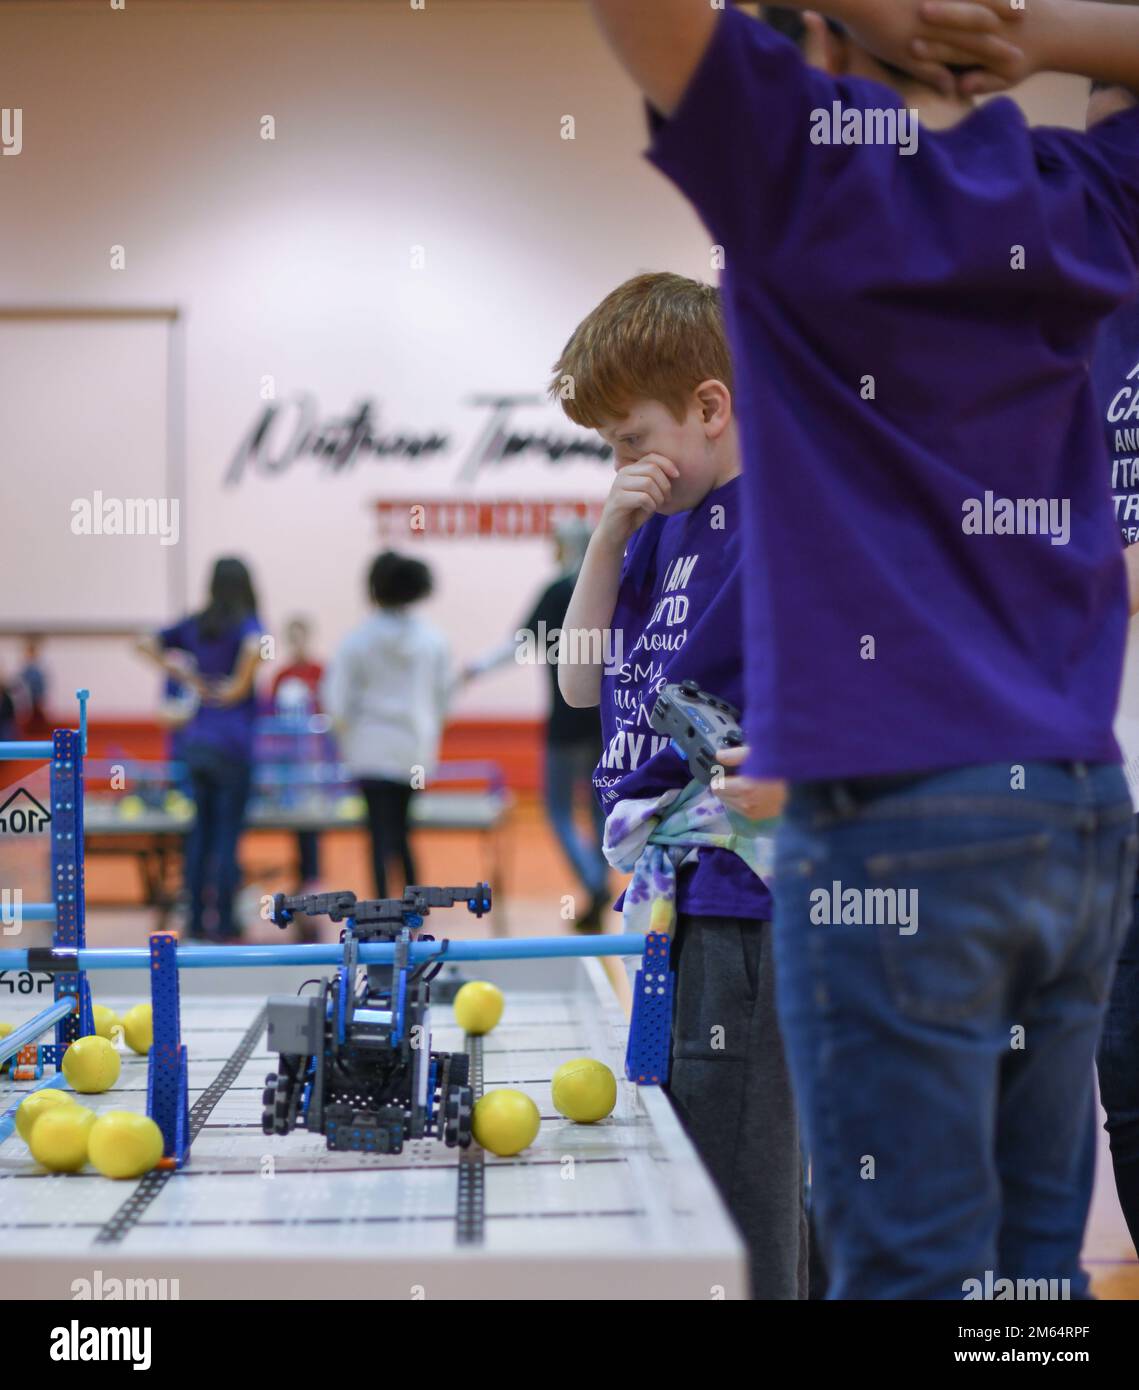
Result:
pixel 35 1105
pixel 91 1065
pixel 59 1138
pixel 106 1020
pixel 131 807
pixel 138 1028
pixel 123 1144
pixel 478 1006
pixel 584 1090
pixel 505 1122
pixel 5 1029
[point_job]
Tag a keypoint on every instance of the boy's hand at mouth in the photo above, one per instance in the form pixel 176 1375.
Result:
pixel 639 491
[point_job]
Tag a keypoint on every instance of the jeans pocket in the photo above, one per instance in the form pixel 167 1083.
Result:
pixel 963 910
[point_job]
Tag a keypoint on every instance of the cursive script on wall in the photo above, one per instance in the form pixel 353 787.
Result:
pixel 286 433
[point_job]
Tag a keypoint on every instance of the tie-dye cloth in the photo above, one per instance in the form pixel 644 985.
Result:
pixel 651 838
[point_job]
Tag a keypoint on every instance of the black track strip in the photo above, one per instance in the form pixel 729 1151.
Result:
pixel 470 1208
pixel 151 1184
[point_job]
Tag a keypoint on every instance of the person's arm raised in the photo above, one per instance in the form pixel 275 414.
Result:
pixel 660 42
pixel 1081 37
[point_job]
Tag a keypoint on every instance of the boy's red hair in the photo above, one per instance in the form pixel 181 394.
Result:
pixel 656 337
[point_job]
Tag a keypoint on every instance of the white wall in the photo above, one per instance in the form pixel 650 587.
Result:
pixel 291 260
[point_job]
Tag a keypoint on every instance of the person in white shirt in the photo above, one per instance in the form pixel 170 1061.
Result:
pixel 386 691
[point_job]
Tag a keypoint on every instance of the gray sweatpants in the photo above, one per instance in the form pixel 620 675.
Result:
pixel 728 1083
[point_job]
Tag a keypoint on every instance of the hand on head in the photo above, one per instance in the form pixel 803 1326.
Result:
pixel 957 47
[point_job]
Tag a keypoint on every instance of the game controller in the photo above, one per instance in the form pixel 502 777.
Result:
pixel 699 725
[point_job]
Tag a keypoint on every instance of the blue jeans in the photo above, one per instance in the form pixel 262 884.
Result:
pixel 1118 1062
pixel 569 766
pixel 221 789
pixel 941 1046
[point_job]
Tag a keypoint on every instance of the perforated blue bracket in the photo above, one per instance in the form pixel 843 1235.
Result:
pixel 67 884
pixel 167 1084
pixel 650 1028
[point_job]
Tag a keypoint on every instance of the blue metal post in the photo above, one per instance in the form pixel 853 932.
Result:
pixel 650 1028
pixel 82 696
pixel 67 883
pixel 167 1084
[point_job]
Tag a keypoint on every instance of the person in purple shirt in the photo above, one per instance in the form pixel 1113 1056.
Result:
pixel 657 601
pixel 935 603
pixel 223 641
pixel 1115 372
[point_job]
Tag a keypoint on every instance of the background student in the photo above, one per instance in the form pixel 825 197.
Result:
pixel 223 643
pixel 572 736
pixel 386 690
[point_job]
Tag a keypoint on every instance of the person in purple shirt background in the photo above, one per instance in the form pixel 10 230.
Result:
pixel 935 604
pixel 1115 372
pixel 223 641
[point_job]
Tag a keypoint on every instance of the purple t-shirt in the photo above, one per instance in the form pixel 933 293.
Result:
pixel 903 391
pixel 1115 370
pixel 678 617
pixel 223 729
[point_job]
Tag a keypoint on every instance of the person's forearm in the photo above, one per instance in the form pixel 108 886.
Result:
pixel 239 686
pixel 149 648
pixel 496 657
pixel 1088 39
pixel 586 622
pixel 659 44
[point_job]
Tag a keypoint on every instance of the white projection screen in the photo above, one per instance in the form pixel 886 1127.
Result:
pixel 89 412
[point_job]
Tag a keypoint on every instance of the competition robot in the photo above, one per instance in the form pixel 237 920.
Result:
pixel 356 1063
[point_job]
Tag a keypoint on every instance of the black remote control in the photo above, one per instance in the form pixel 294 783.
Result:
pixel 698 724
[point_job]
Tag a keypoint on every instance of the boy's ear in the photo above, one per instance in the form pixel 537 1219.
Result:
pixel 715 403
